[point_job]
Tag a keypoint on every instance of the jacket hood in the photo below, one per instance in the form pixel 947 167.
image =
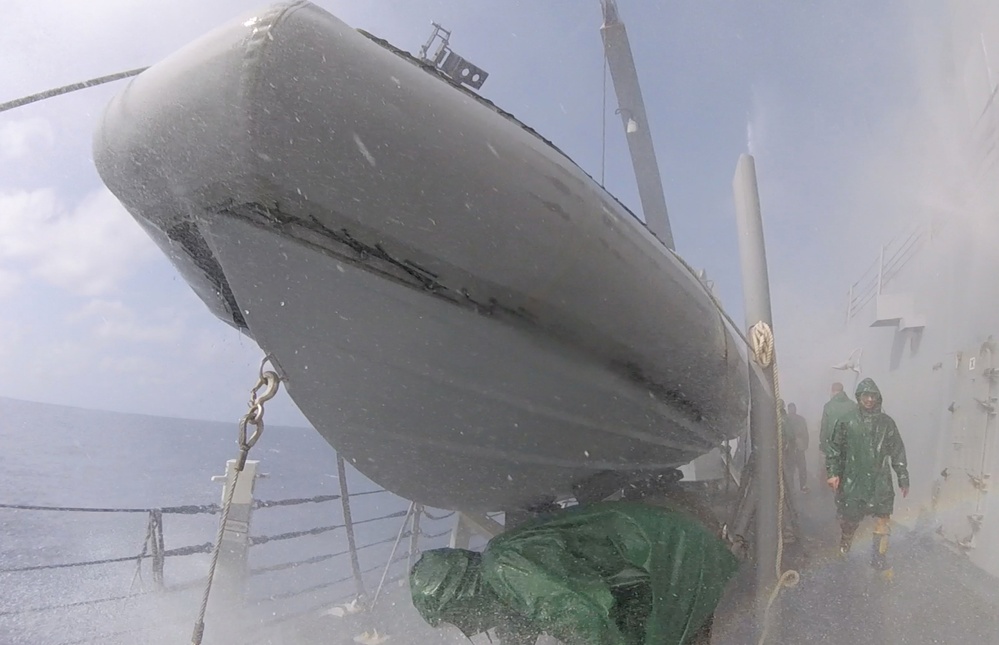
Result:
pixel 868 386
pixel 447 587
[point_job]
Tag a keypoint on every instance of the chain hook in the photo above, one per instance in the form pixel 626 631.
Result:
pixel 263 363
pixel 269 382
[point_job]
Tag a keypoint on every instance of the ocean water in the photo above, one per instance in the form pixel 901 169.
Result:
pixel 60 456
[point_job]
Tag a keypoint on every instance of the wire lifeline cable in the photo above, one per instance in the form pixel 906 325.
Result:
pixel 436 518
pixel 189 509
pixel 603 121
pixel 189 550
pixel 66 89
pixel 263 539
pixel 199 626
pixel 205 547
pixel 316 559
pixel 202 548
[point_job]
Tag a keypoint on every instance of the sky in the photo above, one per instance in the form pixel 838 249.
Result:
pixel 826 96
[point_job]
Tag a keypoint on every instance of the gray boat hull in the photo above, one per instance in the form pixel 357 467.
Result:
pixel 462 312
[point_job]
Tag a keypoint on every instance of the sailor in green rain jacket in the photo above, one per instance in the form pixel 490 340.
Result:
pixel 837 406
pixel 864 448
pixel 610 573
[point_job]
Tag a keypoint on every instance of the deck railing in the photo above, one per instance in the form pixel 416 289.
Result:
pixel 420 528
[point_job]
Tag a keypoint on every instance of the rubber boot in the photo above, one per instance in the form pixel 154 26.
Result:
pixel 879 550
pixel 846 540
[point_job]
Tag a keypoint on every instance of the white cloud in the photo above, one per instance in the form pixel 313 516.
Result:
pixel 115 321
pixel 22 215
pixel 60 358
pixel 11 337
pixel 19 138
pixel 9 281
pixel 141 365
pixel 213 344
pixel 88 250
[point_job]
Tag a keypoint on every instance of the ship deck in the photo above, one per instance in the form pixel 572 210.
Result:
pixel 936 595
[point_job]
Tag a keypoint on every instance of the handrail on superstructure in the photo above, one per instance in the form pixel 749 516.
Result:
pixel 893 257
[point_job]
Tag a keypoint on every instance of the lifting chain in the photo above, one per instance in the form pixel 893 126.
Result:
pixel 269 382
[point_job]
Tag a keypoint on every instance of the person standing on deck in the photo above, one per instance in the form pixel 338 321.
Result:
pixel 838 405
pixel 797 427
pixel 787 442
pixel 864 448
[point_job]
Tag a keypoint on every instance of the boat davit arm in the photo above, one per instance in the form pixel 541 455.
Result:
pixel 617 50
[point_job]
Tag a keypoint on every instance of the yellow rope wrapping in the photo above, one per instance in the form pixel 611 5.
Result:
pixel 761 338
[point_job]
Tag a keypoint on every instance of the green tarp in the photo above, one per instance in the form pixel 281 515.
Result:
pixel 614 573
